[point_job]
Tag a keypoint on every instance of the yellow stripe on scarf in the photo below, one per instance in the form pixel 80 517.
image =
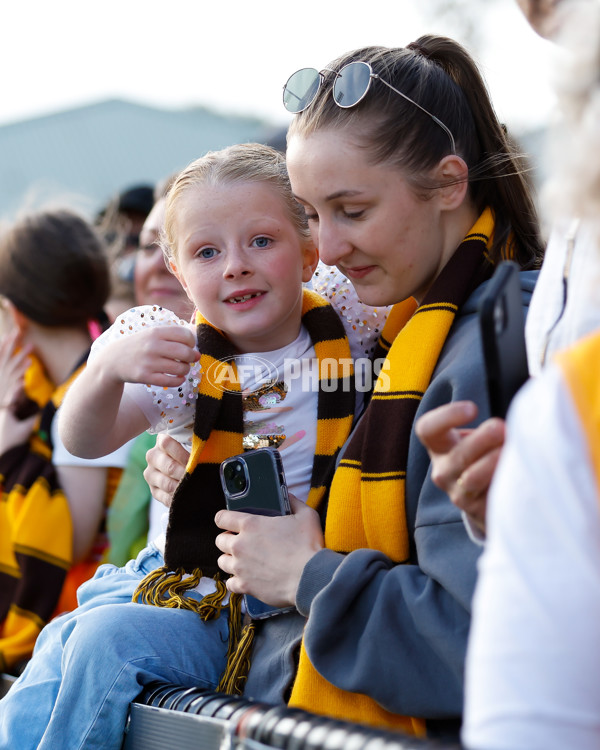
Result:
pixel 20 630
pixel 36 383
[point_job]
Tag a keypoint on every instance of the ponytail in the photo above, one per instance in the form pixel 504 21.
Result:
pixel 499 176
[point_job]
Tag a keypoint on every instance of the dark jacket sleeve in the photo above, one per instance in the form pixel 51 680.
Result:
pixel 398 633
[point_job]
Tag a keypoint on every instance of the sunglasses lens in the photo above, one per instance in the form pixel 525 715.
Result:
pixel 300 89
pixel 351 84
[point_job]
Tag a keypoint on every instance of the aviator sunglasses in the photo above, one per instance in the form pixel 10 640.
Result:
pixel 349 88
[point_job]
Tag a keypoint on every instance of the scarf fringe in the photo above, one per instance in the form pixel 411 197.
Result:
pixel 235 675
pixel 165 588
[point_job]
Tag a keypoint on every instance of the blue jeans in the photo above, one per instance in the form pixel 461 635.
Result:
pixel 89 664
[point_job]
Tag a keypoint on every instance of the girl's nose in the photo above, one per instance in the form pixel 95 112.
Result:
pixel 237 264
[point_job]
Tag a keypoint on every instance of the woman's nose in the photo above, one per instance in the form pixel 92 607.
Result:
pixel 158 261
pixel 332 245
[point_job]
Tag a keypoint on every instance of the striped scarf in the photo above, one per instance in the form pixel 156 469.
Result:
pixel 367 501
pixel 190 551
pixel 35 530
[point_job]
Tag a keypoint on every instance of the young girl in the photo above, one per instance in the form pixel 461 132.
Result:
pixel 238 242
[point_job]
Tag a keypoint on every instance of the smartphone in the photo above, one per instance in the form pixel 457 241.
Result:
pixel 254 482
pixel 502 326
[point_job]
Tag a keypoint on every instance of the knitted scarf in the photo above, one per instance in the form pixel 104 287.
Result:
pixel 190 549
pixel 35 529
pixel 367 501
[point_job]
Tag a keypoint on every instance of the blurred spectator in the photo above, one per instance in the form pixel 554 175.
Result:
pixel 134 517
pixel 121 222
pixel 53 286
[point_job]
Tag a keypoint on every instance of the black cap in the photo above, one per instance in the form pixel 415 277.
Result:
pixel 137 200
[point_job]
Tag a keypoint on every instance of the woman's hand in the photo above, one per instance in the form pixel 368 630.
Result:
pixel 13 365
pixel 463 460
pixel 266 555
pixel 166 467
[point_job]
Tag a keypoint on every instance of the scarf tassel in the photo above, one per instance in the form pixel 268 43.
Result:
pixel 165 588
pixel 235 675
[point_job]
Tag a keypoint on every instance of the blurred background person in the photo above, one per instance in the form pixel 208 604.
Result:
pixel 54 284
pixel 120 222
pixel 134 517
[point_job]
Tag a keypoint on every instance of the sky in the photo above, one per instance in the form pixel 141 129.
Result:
pixel 235 55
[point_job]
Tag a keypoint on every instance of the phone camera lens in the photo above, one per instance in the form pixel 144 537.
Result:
pixel 235 477
pixel 239 483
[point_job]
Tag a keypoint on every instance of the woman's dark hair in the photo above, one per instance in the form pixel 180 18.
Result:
pixel 54 269
pixel 441 76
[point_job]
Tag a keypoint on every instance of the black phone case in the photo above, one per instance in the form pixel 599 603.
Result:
pixel 502 327
pixel 266 494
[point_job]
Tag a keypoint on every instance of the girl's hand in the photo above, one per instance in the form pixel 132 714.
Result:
pixel 13 365
pixel 266 555
pixel 158 356
pixel 166 467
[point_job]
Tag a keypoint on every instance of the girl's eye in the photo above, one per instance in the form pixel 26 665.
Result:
pixel 262 242
pixel 311 217
pixel 207 252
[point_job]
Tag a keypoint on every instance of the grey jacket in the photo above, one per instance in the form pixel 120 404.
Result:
pixel 396 633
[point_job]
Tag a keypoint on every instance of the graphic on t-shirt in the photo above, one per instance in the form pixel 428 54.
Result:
pixel 264 431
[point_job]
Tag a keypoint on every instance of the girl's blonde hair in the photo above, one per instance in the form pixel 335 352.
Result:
pixel 246 162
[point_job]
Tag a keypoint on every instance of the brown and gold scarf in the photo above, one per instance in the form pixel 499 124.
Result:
pixel 190 551
pixel 35 527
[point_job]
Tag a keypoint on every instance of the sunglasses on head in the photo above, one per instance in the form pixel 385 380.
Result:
pixel 350 86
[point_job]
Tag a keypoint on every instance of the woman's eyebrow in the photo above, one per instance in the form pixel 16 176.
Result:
pixel 333 196
pixel 342 194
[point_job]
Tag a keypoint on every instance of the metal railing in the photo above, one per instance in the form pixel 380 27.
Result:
pixel 170 716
